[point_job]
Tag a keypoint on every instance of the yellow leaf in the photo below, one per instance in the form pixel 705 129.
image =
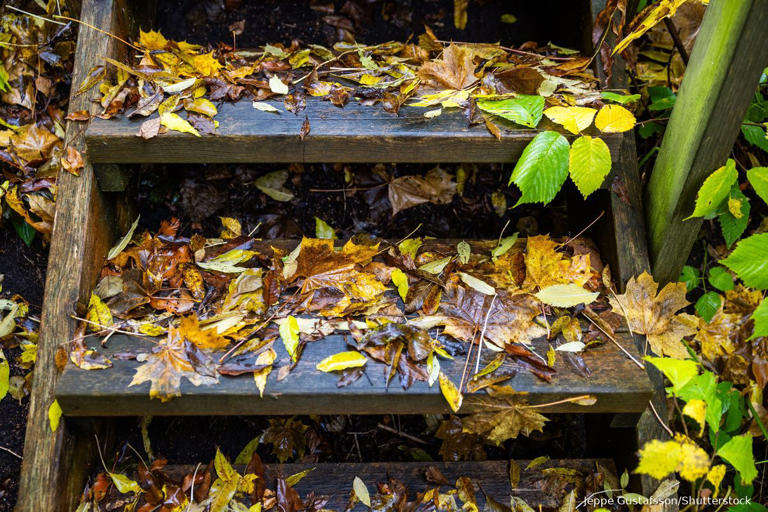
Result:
pixel 5 375
pixel 277 86
pixel 124 484
pixel 260 376
pixel 98 314
pixel 734 206
pixel 573 119
pixel 450 392
pixel 660 458
pixel 174 122
pixel 206 64
pixel 201 106
pixel 152 40
pixel 650 16
pixel 289 332
pixel 614 119
pixel 696 409
pixel 361 491
pixel 342 361
pixel 54 415
pixel 400 280
pixel 716 475
pixel 232 227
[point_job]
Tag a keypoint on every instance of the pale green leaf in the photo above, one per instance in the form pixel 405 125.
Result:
pixel 504 246
pixel 273 185
pixel 566 295
pixel 619 98
pixel 542 168
pixel 523 109
pixel 361 491
pixel 323 229
pixel 477 284
pixel 678 371
pixel 436 266
pixel 244 457
pixel 758 178
pixel 277 86
pixel 759 315
pixel 732 226
pixel 589 163
pixel 749 260
pixel 297 477
pixel 738 452
pixel 715 189
pixel 464 251
pixel 123 243
pixel 571 346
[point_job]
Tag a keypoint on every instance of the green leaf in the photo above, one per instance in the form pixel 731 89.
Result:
pixel 662 98
pixel 464 250
pixel 589 163
pixel 755 136
pixel 123 243
pixel 361 491
pixel 244 457
pixel 759 315
pixel 678 371
pixel 758 178
pixel 619 98
pixel 5 375
pixel 704 387
pixel 477 284
pixel 715 189
pixel 690 276
pixel 4 85
pixel 542 168
pixel 504 246
pixel 523 109
pixel 748 260
pixel 24 230
pixel 732 226
pixel 720 278
pixel 738 452
pixel 708 304
pixel 566 295
pixel 323 229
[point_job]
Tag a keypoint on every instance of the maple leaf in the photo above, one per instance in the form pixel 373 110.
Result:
pixel 718 337
pixel 508 417
pixel 544 266
pixel 455 70
pixel 169 361
pixel 34 143
pixel 436 187
pixel 208 339
pixel 654 315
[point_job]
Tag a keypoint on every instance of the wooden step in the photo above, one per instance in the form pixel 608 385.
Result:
pixel 618 384
pixel 355 133
pixel 537 486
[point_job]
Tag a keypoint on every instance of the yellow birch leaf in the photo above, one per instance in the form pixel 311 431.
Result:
pixel 716 475
pixel 400 280
pixel 573 119
pixel 260 376
pixel 5 375
pixel 98 314
pixel 696 409
pixel 174 122
pixel 124 484
pixel 342 361
pixel 201 106
pixel 450 392
pixel 54 415
pixel 289 332
pixel 614 119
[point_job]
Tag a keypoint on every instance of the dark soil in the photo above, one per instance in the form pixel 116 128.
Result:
pixel 23 269
pixel 371 21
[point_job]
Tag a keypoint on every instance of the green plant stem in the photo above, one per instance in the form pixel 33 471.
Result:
pixel 757 418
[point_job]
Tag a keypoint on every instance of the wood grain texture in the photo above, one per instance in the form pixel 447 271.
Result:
pixel 618 384
pixel 722 75
pixel 334 480
pixel 355 133
pixel 55 464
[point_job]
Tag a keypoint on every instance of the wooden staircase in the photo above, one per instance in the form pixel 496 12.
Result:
pixel 89 219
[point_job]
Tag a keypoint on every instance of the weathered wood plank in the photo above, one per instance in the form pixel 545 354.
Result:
pixel 618 384
pixel 720 80
pixel 355 133
pixel 55 464
pixel 334 480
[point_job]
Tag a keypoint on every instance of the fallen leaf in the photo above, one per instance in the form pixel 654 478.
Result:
pixel 73 161
pixel 614 119
pixel 437 187
pixel 342 361
pixel 454 70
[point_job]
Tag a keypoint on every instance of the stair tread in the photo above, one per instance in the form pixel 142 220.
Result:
pixel 354 133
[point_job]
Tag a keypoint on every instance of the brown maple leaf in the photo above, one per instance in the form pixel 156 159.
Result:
pixel 437 187
pixel 34 143
pixel 172 359
pixel 654 315
pixel 455 70
pixel 508 416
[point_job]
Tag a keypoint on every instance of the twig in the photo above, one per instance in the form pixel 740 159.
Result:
pixel 558 402
pixel 35 15
pixel 661 422
pixel 11 452
pixel 577 235
pixel 350 189
pixel 679 46
pixel 108 328
pixel 633 358
pixel 97 29
pixel 401 434
pixel 482 333
pixel 506 48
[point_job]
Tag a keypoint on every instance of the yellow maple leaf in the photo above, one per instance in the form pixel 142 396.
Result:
pixel 206 64
pixel 208 339
pixel 152 40
pixel 544 266
pixel 614 119
pixel 654 315
pixel 573 119
pixel 717 336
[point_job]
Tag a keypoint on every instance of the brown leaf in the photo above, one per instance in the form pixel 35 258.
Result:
pixel 305 127
pixel 654 315
pixel 34 143
pixel 73 161
pixel 436 187
pixel 455 70
pixel 521 79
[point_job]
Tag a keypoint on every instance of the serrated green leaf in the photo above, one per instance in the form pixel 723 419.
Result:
pixel 759 315
pixel 619 98
pixel 758 178
pixel 715 189
pixel 704 387
pixel 748 260
pixel 690 276
pixel 720 278
pixel 678 371
pixel 708 304
pixel 589 163
pixel 566 295
pixel 732 226
pixel 464 251
pixel 542 168
pixel 738 452
pixel 755 136
pixel 524 109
